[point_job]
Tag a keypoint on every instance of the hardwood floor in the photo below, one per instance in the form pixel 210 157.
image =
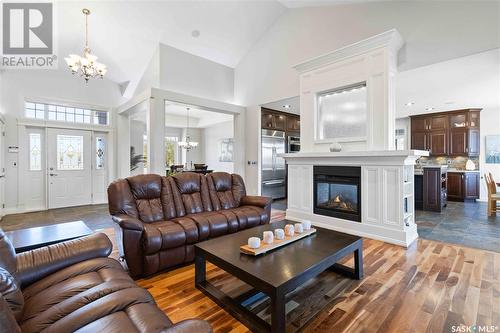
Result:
pixel 428 288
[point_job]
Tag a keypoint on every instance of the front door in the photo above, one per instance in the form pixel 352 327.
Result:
pixel 69 167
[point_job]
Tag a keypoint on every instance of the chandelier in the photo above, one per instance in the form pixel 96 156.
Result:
pixel 187 143
pixel 86 65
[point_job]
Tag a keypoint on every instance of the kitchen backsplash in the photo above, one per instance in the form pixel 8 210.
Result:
pixel 451 162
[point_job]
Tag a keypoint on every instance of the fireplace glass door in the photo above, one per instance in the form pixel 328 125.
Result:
pixel 341 197
pixel 337 192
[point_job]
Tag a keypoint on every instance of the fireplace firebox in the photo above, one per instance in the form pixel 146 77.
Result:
pixel 337 192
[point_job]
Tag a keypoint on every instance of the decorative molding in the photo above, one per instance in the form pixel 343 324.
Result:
pixel 390 39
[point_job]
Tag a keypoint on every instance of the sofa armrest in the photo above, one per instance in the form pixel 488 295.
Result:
pixel 128 222
pixel 130 242
pixel 38 263
pixel 190 326
pixel 253 200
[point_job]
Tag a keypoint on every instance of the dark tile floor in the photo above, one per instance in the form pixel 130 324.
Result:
pixel 96 217
pixel 460 223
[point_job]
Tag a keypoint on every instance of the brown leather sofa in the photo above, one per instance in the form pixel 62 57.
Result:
pixel 161 218
pixel 74 287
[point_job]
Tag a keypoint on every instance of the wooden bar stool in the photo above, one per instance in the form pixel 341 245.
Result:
pixel 493 196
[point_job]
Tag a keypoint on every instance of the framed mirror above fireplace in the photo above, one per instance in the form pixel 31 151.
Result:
pixel 337 192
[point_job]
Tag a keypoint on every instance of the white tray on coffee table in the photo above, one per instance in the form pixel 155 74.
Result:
pixel 277 243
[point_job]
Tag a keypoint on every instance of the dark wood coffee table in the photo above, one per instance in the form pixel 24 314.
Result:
pixel 276 273
pixel 32 238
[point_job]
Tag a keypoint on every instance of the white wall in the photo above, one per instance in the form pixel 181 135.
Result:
pixel 212 137
pixel 51 85
pixel 490 125
pixel 196 155
pixel 192 75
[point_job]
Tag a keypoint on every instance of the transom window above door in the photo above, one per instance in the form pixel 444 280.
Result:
pixel 67 114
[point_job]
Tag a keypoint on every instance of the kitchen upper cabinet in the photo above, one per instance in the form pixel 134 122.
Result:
pixel 419 140
pixel 273 121
pixel 438 122
pixel 458 142
pixel 458 120
pixel 293 123
pixel 279 121
pixel 454 133
pixel 474 142
pixel 438 142
pixel 463 186
pixel 419 124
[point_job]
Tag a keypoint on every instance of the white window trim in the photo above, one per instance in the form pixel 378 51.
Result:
pixel 65 103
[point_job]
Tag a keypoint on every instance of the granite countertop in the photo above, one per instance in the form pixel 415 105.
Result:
pixel 462 171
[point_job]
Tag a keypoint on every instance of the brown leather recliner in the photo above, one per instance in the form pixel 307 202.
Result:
pixel 74 287
pixel 161 218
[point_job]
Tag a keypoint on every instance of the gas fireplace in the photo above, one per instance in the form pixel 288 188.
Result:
pixel 337 192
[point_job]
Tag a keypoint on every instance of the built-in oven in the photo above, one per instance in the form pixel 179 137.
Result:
pixel 293 144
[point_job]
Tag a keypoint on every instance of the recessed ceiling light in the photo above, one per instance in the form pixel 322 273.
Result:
pixel 287 106
pixel 429 109
pixel 195 33
pixel 410 103
pixel 450 102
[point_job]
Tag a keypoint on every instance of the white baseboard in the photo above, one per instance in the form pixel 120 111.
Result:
pixel 392 236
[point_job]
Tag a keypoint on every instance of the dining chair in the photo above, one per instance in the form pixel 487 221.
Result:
pixel 493 196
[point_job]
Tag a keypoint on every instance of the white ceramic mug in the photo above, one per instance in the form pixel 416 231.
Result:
pixel 254 242
pixel 268 237
pixel 279 234
pixel 306 224
pixel 289 230
pixel 299 228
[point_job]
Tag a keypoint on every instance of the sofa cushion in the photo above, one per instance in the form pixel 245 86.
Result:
pixel 162 235
pixel 142 317
pixel 226 190
pixel 54 302
pixel 210 224
pixel 193 192
pixel 248 216
pixel 146 190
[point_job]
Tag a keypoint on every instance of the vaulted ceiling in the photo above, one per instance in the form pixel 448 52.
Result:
pixel 125 34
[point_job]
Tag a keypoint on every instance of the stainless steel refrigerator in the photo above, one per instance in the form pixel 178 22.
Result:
pixel 273 166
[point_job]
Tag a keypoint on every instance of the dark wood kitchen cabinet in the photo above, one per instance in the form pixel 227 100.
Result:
pixel 463 186
pixel 453 133
pixel 273 120
pixel 292 123
pixel 434 189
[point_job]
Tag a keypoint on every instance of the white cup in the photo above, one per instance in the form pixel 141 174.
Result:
pixel 254 242
pixel 306 224
pixel 299 228
pixel 268 237
pixel 289 230
pixel 279 234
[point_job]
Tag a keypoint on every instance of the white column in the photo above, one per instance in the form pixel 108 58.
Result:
pixel 156 135
pixel 122 145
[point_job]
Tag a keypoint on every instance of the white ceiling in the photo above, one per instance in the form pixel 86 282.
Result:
pixel 125 34
pixel 317 3
pixel 176 116
pixel 467 82
pixel 293 102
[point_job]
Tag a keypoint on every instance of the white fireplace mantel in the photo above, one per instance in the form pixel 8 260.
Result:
pixel 387 192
